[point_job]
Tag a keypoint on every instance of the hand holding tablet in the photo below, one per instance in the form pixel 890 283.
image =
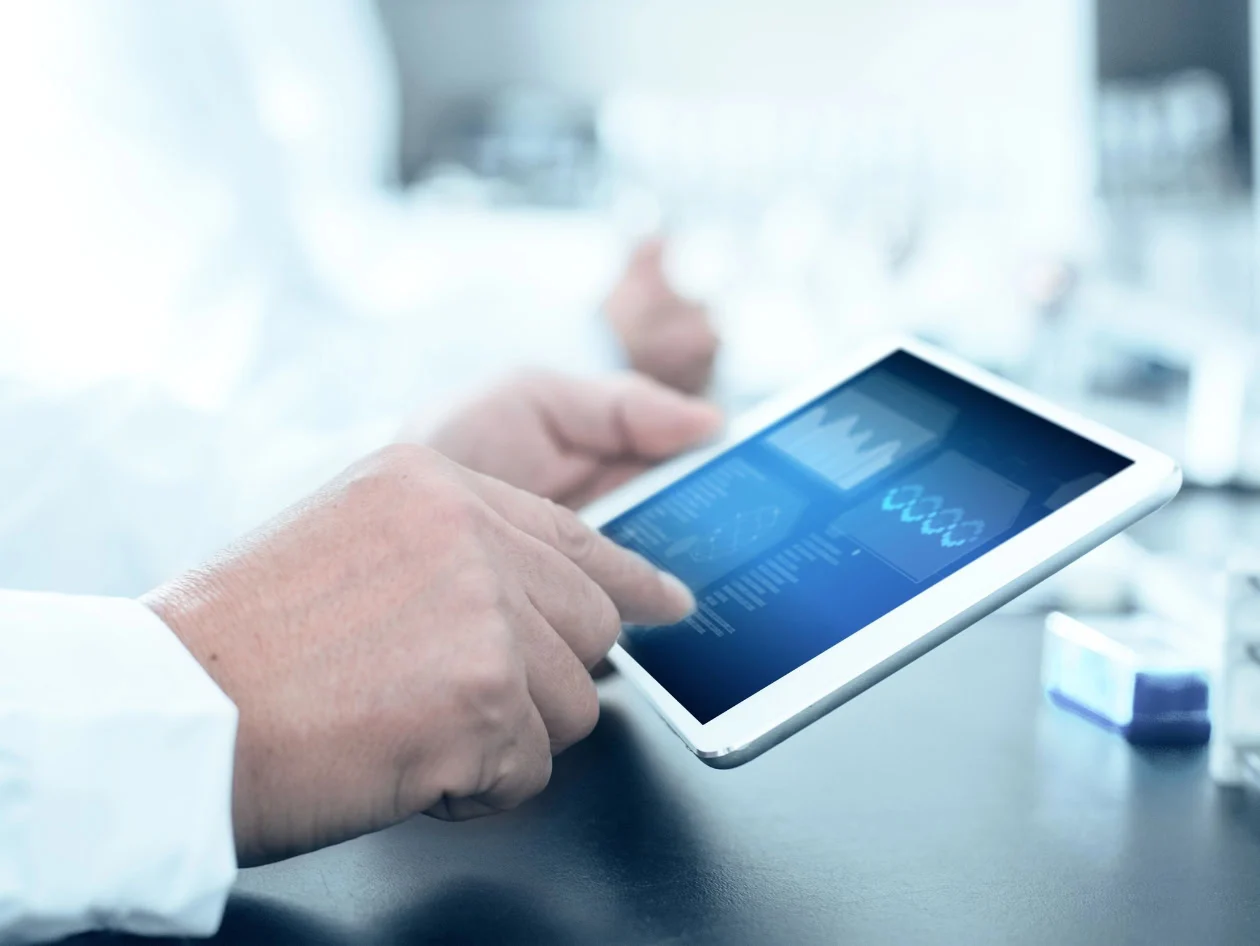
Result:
pixel 851 525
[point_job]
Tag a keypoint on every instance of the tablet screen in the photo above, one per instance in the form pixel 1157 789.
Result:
pixel 841 512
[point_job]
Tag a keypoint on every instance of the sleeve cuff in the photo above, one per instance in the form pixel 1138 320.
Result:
pixel 116 753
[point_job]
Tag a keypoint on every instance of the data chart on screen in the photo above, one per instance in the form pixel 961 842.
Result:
pixel 862 431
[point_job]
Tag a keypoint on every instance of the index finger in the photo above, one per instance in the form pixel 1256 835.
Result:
pixel 642 593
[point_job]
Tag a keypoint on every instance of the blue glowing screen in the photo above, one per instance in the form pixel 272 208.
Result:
pixel 815 527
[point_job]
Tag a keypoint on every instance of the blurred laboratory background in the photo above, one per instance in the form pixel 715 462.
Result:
pixel 242 241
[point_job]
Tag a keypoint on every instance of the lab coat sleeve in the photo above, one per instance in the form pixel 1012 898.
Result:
pixel 116 756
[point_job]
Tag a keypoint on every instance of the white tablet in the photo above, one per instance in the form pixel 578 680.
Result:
pixel 851 525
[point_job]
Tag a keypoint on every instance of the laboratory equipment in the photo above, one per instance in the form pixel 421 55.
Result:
pixel 1236 707
pixel 1137 675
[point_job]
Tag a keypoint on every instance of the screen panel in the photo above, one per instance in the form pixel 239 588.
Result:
pixel 809 531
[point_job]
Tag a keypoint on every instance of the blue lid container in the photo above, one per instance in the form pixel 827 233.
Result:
pixel 1136 675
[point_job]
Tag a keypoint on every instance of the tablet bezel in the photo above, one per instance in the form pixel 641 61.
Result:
pixel 935 614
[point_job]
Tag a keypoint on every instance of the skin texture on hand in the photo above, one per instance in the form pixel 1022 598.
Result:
pixel 665 336
pixel 414 637
pixel 573 439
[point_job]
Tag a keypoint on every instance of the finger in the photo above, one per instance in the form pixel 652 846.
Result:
pixel 647 262
pixel 689 332
pixel 577 613
pixel 559 683
pixel 626 415
pixel 642 593
pixel 605 480
pixel 460 809
pixel 524 770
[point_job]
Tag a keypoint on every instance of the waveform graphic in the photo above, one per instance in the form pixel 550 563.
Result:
pixel 850 438
pixel 933 518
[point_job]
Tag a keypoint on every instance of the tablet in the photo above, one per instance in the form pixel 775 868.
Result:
pixel 845 528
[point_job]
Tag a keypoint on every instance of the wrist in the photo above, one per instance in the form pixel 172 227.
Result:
pixel 198 609
pixel 202 611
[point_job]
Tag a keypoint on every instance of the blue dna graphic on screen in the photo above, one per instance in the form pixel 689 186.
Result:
pixel 934 516
pixel 913 504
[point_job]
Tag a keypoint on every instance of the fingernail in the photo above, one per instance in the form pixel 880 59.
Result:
pixel 679 592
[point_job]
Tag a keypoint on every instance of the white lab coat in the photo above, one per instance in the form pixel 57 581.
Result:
pixel 216 177
pixel 115 774
pixel 211 298
pixel 209 301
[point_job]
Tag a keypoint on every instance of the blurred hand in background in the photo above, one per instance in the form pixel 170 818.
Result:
pixel 571 439
pixel 665 335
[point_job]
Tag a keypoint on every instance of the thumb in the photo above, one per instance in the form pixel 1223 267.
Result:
pixel 626 416
pixel 647 264
pixel 658 421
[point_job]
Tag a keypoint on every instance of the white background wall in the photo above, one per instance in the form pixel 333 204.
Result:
pixel 1021 69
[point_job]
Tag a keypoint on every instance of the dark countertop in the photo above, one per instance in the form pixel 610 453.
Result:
pixel 951 804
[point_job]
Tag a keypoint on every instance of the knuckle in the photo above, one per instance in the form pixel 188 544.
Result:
pixel 454 521
pixel 478 591
pixel 528 769
pixel 584 716
pixel 466 781
pixel 602 626
pixel 572 536
pixel 384 493
pixel 488 683
pixel 404 483
pixel 463 778
pixel 460 512
pixel 606 629
pixel 541 775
